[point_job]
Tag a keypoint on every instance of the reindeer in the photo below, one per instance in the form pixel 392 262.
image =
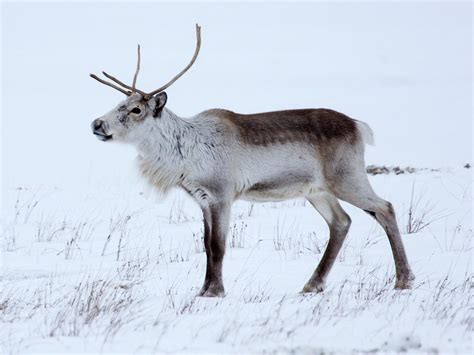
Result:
pixel 219 156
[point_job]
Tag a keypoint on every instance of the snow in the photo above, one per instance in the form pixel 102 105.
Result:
pixel 80 292
pixel 94 262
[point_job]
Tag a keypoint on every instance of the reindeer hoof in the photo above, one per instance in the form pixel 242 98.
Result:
pixel 309 288
pixel 405 283
pixel 212 291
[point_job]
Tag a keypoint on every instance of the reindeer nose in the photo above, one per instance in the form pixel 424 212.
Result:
pixel 98 126
pixel 99 129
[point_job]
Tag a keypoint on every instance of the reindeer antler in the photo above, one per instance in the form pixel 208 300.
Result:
pixel 128 93
pixel 180 74
pixel 132 89
pixel 134 83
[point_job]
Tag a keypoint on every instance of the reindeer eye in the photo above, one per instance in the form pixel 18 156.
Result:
pixel 136 110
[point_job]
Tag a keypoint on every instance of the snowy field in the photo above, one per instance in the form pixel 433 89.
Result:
pixel 93 261
pixel 120 273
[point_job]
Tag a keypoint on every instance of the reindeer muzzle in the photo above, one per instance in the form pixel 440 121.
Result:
pixel 98 129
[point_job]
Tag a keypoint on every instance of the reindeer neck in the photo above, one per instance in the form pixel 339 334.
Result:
pixel 166 150
pixel 165 135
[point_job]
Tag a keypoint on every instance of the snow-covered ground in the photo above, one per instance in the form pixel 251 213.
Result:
pixel 118 272
pixel 92 261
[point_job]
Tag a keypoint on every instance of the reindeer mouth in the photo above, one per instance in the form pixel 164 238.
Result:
pixel 103 137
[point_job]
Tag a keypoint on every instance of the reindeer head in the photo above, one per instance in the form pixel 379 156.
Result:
pixel 131 117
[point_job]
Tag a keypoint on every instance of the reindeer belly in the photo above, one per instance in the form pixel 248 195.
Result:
pixel 283 186
pixel 279 189
pixel 278 172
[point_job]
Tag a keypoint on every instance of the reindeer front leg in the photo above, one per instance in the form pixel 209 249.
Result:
pixel 207 245
pixel 216 224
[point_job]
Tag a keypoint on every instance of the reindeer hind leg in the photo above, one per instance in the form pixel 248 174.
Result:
pixel 355 188
pixel 339 222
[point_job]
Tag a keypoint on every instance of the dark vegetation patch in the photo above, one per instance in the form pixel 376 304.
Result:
pixel 396 170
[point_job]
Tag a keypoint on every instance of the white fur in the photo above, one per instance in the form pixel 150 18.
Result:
pixel 366 132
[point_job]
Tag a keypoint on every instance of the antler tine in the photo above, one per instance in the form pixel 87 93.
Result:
pixel 136 71
pixel 128 93
pixel 125 85
pixel 132 89
pixel 193 59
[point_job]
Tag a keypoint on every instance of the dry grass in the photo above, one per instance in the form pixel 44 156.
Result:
pixel 421 213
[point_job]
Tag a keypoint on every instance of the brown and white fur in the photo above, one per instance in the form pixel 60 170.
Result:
pixel 219 156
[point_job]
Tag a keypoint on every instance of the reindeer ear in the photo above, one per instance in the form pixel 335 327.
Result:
pixel 159 101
